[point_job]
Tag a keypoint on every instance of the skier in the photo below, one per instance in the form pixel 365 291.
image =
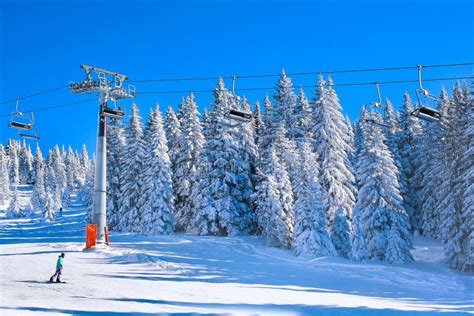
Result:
pixel 59 268
pixel 61 211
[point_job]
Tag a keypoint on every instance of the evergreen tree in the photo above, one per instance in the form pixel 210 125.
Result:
pixel 330 143
pixel 223 186
pixel 85 163
pixel 257 124
pixel 380 218
pixel 156 200
pixel 115 171
pixel 457 220
pixel 279 230
pixel 87 190
pixel 300 119
pixel 4 176
pixel 39 196
pixel 133 168
pixel 190 143
pixel 310 234
pixel 408 138
pixel 431 171
pixel 285 101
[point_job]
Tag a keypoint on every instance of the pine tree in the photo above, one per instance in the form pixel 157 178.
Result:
pixel 190 144
pixel 457 220
pixel 39 196
pixel 310 234
pixel 431 171
pixel 4 177
pixel 85 163
pixel 300 119
pixel 257 124
pixel 172 130
pixel 14 210
pixel 133 168
pixel 223 186
pixel 408 136
pixel 285 101
pixel 156 200
pixel 279 230
pixel 330 143
pixel 87 190
pixel 115 171
pixel 380 218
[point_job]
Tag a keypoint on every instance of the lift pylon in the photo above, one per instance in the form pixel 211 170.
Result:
pixel 109 86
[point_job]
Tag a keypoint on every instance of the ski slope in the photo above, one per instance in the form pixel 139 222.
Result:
pixel 186 274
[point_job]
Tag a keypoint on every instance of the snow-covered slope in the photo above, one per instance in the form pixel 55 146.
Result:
pixel 211 275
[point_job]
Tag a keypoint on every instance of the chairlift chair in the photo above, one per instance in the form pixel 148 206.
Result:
pixel 115 112
pixel 21 121
pixel 238 115
pixel 422 111
pixel 29 136
pixel 377 104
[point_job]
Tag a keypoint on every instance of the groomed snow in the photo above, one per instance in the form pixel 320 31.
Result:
pixel 186 274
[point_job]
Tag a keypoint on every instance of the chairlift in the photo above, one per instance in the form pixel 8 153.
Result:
pixel 427 114
pixel 422 111
pixel 21 121
pixel 29 136
pixel 238 115
pixel 374 122
pixel 377 104
pixel 115 112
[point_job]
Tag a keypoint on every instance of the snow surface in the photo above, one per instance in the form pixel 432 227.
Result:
pixel 187 274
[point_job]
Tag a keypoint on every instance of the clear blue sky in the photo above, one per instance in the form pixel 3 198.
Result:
pixel 42 44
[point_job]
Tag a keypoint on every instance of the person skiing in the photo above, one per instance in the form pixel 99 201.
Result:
pixel 59 268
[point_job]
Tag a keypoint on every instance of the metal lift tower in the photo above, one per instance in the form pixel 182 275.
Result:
pixel 110 87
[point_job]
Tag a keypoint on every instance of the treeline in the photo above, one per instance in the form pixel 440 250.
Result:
pixel 300 174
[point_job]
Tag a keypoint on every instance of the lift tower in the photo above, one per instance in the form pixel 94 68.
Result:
pixel 110 87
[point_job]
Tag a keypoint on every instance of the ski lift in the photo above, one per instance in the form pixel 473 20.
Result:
pixel 115 112
pixel 238 115
pixel 422 111
pixel 21 121
pixel 377 104
pixel 374 122
pixel 29 136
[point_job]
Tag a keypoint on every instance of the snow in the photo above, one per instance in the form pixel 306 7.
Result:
pixel 187 274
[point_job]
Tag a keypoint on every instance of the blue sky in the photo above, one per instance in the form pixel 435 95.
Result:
pixel 42 44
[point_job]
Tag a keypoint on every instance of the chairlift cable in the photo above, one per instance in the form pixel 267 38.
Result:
pixel 249 89
pixel 258 76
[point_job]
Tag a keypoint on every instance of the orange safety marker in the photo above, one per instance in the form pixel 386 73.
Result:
pixel 91 235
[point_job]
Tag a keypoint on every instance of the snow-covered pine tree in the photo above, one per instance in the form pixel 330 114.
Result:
pixel 172 130
pixel 57 163
pixel 407 140
pixel 257 124
pixel 49 209
pixel 431 171
pixel 85 163
pixel 190 143
pixel 133 168
pixel 300 119
pixel 457 220
pixel 14 164
pixel 223 187
pixel 280 224
pixel 156 201
pixel 330 143
pixel 310 233
pixel 39 196
pixel 4 176
pixel 115 168
pixel 87 190
pixel 69 167
pixel 285 101
pixel 379 209
pixel 14 210
pixel 25 163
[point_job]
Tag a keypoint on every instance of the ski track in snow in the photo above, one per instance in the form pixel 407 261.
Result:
pixel 187 274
